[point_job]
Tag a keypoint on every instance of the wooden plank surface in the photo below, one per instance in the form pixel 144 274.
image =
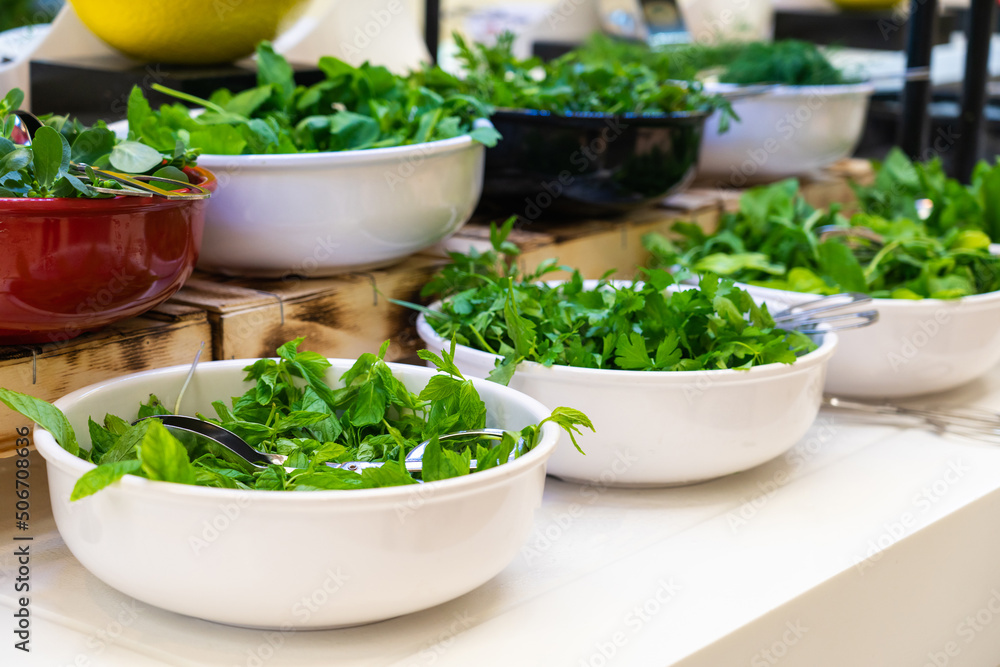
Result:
pixel 167 336
pixel 343 316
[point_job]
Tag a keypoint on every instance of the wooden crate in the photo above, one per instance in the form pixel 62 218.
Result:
pixel 342 316
pixel 596 246
pixel 167 336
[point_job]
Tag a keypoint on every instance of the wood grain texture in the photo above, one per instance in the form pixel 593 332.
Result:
pixel 343 316
pixel 165 337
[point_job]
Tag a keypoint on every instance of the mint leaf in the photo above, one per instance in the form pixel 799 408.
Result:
pixel 45 415
pixel 163 457
pixel 101 477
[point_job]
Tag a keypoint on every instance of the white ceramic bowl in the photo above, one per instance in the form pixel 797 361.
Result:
pixel 916 347
pixel 665 428
pixel 320 214
pixel 292 559
pixel 787 131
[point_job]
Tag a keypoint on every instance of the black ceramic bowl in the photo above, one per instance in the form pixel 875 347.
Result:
pixel 588 164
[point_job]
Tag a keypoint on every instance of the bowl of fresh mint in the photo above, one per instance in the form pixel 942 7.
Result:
pixel 355 172
pixel 130 499
pixel 76 254
pixel 683 384
pixel 586 134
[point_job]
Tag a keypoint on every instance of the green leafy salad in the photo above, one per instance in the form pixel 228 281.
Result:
pixel 43 169
pixel 777 240
pixel 900 186
pixel 291 410
pixel 353 108
pixel 790 62
pixel 490 305
pixel 574 83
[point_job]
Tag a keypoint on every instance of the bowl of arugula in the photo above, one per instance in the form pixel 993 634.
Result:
pixel 682 385
pixel 936 285
pixel 584 135
pixel 355 172
pixel 344 547
pixel 74 256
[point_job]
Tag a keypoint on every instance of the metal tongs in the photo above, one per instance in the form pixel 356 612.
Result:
pixel 261 460
pixel 809 317
pixel 138 185
pixel 974 423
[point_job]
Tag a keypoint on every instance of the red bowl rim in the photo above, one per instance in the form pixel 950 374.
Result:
pixel 199 176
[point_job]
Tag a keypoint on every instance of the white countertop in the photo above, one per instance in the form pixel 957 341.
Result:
pixel 864 545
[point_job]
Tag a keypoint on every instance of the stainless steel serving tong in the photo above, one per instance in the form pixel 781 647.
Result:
pixel 820 316
pixel 136 185
pixel 974 423
pixel 261 460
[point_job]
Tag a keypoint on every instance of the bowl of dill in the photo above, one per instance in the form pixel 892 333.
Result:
pixel 797 113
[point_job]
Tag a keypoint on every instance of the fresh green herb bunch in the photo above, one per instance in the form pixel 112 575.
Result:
pixel 900 184
pixel 353 108
pixel 579 81
pixel 43 168
pixel 790 62
pixel 490 305
pixel 774 241
pixel 291 410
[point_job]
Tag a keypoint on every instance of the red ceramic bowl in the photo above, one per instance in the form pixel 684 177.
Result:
pixel 68 266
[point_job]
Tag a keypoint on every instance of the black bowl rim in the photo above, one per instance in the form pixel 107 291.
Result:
pixel 694 115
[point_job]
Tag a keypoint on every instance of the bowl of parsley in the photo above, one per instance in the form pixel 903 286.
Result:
pixel 683 384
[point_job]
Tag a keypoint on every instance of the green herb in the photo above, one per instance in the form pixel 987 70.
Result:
pixel 353 108
pixel 43 168
pixel 774 241
pixel 900 184
pixel 489 304
pixel 576 82
pixel 291 410
pixel 790 62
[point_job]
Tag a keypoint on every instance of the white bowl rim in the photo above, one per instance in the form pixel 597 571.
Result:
pixel 323 158
pixel 882 302
pixel 55 454
pixel 782 90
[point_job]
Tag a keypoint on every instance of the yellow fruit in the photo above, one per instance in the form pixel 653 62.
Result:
pixel 188 32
